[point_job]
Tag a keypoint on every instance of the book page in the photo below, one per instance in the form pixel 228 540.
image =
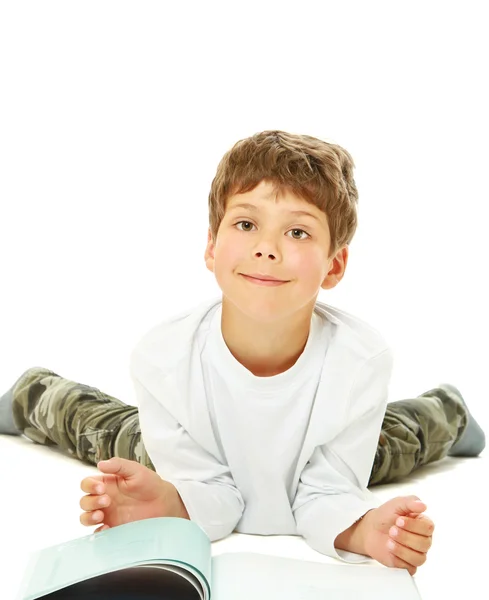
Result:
pixel 246 576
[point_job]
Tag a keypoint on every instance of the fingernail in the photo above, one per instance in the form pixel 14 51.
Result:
pixel 394 531
pixel 400 522
pixel 98 489
pixel 391 545
pixel 102 501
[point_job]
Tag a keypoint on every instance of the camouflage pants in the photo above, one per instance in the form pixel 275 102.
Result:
pixel 93 426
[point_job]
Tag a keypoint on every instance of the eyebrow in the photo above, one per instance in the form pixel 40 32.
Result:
pixel 254 208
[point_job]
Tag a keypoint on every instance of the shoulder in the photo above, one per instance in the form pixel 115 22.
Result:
pixel 358 361
pixel 164 346
pixel 362 339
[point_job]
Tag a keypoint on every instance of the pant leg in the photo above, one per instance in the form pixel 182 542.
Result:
pixel 416 432
pixel 79 419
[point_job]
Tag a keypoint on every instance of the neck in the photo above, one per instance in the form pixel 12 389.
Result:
pixel 265 348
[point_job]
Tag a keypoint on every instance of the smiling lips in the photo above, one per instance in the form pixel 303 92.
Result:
pixel 266 280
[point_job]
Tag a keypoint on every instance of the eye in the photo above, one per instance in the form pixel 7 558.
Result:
pixel 247 222
pixel 293 230
pixel 300 231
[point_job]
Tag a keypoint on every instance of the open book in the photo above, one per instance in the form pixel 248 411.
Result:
pixel 168 558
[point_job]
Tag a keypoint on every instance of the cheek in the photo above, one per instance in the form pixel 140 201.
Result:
pixel 226 250
pixel 228 257
pixel 306 265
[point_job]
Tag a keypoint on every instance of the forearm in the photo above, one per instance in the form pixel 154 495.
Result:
pixel 207 493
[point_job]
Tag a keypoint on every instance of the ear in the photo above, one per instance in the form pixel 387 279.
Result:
pixel 209 252
pixel 336 269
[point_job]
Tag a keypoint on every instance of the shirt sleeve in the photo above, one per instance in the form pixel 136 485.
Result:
pixel 205 485
pixel 332 493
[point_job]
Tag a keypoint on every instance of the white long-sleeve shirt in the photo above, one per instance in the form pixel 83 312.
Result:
pixel 288 454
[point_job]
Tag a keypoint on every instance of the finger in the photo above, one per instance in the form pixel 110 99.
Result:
pixel 91 518
pixel 422 525
pixel 420 543
pixel 93 485
pixel 92 502
pixel 412 504
pixel 401 564
pixel 408 555
pixel 119 466
pixel 101 528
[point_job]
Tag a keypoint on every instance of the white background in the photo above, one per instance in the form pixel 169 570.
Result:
pixel 114 116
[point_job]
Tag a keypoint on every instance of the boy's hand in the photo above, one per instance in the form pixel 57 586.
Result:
pixel 399 522
pixel 128 491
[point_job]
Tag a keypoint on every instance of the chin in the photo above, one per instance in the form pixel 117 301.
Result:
pixel 259 308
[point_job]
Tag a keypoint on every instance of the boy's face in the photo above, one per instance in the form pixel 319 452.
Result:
pixel 267 238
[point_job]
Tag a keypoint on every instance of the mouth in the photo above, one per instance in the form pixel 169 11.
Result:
pixel 263 280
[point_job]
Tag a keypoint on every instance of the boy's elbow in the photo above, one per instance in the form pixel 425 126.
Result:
pixel 219 532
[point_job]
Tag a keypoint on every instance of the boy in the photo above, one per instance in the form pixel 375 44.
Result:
pixel 261 411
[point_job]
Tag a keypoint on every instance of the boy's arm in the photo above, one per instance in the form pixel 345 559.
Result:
pixel 332 493
pixel 204 484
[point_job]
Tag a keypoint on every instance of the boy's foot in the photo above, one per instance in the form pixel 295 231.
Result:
pixel 7 424
pixel 473 440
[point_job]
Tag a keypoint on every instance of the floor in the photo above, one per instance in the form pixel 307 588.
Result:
pixel 40 507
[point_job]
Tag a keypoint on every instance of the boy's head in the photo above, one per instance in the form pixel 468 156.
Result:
pixel 276 173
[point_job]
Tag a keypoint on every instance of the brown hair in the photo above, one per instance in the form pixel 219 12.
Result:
pixel 317 171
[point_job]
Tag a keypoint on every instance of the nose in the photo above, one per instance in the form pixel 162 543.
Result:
pixel 265 246
pixel 259 255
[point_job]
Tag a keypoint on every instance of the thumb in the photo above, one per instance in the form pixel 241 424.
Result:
pixel 119 466
pixel 410 504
